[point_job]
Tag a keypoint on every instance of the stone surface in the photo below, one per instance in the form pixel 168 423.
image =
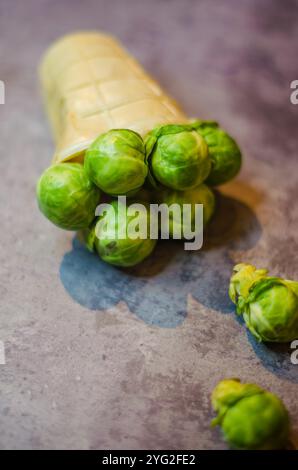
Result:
pixel 100 358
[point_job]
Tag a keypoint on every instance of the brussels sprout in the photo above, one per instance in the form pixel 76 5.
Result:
pixel 87 236
pixel 269 305
pixel 115 162
pixel 250 417
pixel 199 195
pixel 113 241
pixel 178 157
pixel 223 150
pixel 66 196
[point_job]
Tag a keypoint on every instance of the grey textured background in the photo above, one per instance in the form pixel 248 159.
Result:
pixel 100 358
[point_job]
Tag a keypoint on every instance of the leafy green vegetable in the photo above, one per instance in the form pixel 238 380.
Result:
pixel 223 150
pixel 250 417
pixel 177 157
pixel 115 162
pixel 199 195
pixel 113 240
pixel 67 197
pixel 269 305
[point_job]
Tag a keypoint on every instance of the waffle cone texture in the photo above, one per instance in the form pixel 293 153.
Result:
pixel 91 84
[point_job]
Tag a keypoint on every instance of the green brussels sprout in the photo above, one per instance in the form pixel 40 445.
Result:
pixel 223 150
pixel 87 236
pixel 115 162
pixel 250 417
pixel 177 156
pixel 67 197
pixel 269 305
pixel 113 241
pixel 199 195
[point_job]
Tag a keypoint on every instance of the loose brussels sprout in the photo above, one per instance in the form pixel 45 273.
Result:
pixel 115 162
pixel 199 195
pixel 178 157
pixel 66 196
pixel 223 150
pixel 113 241
pixel 269 305
pixel 250 417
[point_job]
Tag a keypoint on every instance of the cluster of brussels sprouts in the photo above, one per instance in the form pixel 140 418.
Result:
pixel 175 163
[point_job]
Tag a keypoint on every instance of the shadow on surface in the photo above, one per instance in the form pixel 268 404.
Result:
pixel 276 358
pixel 156 290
